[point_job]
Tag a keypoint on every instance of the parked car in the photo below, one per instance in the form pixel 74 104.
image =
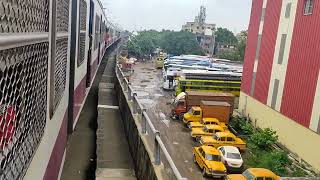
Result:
pixel 223 139
pixel 231 157
pixel 207 121
pixel 254 174
pixel 209 160
pixel 208 130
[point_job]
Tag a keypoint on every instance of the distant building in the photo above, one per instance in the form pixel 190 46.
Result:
pixel 204 31
pixel 281 74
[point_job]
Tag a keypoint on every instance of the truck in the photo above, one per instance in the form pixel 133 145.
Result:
pixel 208 109
pixel 185 100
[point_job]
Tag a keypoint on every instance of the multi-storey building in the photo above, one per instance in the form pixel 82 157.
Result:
pixel 281 80
pixel 203 31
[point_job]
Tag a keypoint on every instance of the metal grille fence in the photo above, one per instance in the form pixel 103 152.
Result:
pixel 62 15
pixel 82 29
pixel 61 52
pixel 23 105
pixel 18 16
pixel 97 32
pixel 60 71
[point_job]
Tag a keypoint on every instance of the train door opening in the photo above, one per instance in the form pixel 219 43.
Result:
pixel 99 46
pixel 91 19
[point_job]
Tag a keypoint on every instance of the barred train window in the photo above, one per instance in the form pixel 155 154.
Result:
pixel 308 7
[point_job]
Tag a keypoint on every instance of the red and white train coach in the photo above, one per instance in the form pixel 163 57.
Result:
pixel 49 54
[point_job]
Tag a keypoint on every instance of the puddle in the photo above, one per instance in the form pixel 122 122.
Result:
pixel 141 93
pixel 147 102
pixel 164 119
pixel 144 81
pixel 158 95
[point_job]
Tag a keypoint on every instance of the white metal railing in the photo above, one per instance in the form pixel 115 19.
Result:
pixel 137 108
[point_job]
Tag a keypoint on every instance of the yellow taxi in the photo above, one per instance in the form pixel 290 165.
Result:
pixel 255 174
pixel 207 121
pixel 193 115
pixel 208 130
pixel 223 139
pixel 209 160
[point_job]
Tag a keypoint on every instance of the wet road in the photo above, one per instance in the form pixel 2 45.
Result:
pixel 147 83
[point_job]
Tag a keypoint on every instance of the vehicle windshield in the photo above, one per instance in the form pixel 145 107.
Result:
pixel 248 175
pixel 215 137
pixel 205 129
pixel 233 156
pixel 190 111
pixel 212 157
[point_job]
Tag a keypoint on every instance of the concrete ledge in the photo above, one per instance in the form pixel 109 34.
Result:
pixel 109 174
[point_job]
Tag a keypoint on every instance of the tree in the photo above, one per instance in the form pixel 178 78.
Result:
pixel 173 42
pixel 242 43
pixel 182 42
pixel 143 44
pixel 225 37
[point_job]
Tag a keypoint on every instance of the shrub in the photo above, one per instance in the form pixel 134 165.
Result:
pixel 241 125
pixel 276 161
pixel 298 173
pixel 264 139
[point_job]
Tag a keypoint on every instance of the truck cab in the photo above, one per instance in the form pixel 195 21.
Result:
pixel 193 115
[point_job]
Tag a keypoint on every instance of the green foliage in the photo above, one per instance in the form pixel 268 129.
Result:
pixel 172 42
pixel 225 37
pixel 241 125
pixel 240 50
pixel 276 161
pixel 264 139
pixel 182 42
pixel 231 55
pixel 143 44
pixel 299 173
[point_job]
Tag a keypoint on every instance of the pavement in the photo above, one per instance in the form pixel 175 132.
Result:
pixel 147 83
pixel 113 157
pixel 81 156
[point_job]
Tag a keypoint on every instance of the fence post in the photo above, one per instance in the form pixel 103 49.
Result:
pixel 126 86
pixel 157 149
pixel 143 121
pixel 135 103
pixel 129 93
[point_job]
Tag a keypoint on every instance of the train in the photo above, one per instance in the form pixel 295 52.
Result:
pixel 50 51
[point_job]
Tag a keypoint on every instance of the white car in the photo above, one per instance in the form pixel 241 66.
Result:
pixel 231 157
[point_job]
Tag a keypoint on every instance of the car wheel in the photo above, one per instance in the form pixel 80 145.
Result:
pixel 198 138
pixel 204 173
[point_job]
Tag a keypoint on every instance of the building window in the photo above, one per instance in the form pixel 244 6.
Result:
pixel 191 30
pixel 282 48
pixel 253 81
pixel 258 47
pixel 197 27
pixel 263 14
pixel 308 7
pixel 275 93
pixel 288 10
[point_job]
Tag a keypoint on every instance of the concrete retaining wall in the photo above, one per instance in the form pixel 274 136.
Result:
pixel 144 167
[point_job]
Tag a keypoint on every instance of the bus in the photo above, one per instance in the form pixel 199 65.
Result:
pixel 209 82
pixel 186 85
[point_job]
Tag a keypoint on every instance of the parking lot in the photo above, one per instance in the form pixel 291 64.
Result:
pixel 147 83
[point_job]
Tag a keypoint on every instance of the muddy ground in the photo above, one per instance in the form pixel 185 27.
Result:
pixel 147 83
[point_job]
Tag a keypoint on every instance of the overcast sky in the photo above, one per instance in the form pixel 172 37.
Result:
pixel 172 14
